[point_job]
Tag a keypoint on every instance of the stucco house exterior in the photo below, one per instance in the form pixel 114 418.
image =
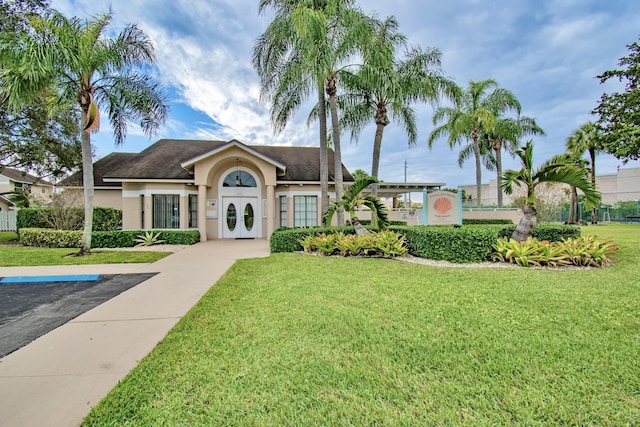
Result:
pixel 225 189
pixel 15 180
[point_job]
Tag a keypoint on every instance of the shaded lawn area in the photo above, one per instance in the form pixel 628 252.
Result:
pixel 301 340
pixel 8 236
pixel 16 256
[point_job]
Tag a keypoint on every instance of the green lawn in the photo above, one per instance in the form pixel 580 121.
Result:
pixel 301 340
pixel 16 256
pixel 7 236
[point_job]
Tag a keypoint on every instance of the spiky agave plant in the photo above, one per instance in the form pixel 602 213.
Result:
pixel 353 198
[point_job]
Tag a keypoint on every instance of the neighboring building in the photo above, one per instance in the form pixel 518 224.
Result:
pixel 619 187
pixel 225 189
pixel 14 180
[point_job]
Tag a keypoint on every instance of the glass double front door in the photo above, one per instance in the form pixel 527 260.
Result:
pixel 240 220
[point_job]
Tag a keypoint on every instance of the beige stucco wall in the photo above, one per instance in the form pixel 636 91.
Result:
pixel 131 202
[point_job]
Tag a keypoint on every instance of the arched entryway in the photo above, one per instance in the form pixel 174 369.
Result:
pixel 241 216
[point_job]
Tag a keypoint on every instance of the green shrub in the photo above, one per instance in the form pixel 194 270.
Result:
pixel 50 238
pixel 127 238
pixel 382 243
pixel 104 219
pixel 471 221
pixel 288 239
pixel 549 232
pixel 30 218
pixel 453 244
pixel 47 237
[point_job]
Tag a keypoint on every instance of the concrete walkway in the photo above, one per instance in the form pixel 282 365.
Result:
pixel 58 378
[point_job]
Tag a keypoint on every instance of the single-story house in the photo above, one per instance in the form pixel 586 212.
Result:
pixel 12 180
pixel 225 189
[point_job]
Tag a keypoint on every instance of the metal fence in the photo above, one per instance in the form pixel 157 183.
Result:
pixel 8 220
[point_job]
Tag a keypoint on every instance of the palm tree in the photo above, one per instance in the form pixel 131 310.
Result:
pixel 506 133
pixel 551 171
pixel 587 138
pixel 307 44
pixel 383 85
pixel 353 198
pixel 473 113
pixel 96 71
pixel 571 159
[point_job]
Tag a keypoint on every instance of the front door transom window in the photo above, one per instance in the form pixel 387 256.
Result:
pixel 239 179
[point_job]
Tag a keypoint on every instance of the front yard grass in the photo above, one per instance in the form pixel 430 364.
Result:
pixel 8 236
pixel 301 340
pixel 17 256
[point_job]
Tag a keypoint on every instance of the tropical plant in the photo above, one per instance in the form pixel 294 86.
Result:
pixel 82 64
pixel 306 46
pixel 587 138
pixel 506 133
pixel 530 178
pixel 571 158
pixel 148 239
pixel 353 198
pixel 582 252
pixel 19 198
pixel 385 86
pixel 474 111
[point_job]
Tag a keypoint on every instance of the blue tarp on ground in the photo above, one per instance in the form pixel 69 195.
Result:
pixel 46 279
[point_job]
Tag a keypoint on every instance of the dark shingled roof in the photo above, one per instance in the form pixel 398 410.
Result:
pixel 100 168
pixel 163 160
pixel 19 176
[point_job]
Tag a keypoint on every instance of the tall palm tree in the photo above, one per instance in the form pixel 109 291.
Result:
pixel 506 133
pixel 570 158
pixel 386 86
pixel 308 43
pixel 530 178
pixel 96 71
pixel 473 113
pixel 587 138
pixel 353 198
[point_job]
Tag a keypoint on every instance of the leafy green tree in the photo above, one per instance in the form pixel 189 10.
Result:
pixel 32 138
pixel 309 43
pixel 353 198
pixel 530 178
pixel 385 86
pixel 82 64
pixel 505 134
pixel 587 139
pixel 620 111
pixel 474 112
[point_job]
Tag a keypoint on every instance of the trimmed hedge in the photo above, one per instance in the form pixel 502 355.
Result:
pixel 49 238
pixel 550 232
pixel 454 244
pixel 126 238
pixel 104 219
pixel 471 221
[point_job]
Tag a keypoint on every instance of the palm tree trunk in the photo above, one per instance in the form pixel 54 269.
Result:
pixel 360 230
pixel 87 183
pixel 594 210
pixel 337 153
pixel 498 150
pixel 526 225
pixel 476 152
pixel 573 206
pixel 375 164
pixel 324 157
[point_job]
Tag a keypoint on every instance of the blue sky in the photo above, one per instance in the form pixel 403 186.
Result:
pixel 546 52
